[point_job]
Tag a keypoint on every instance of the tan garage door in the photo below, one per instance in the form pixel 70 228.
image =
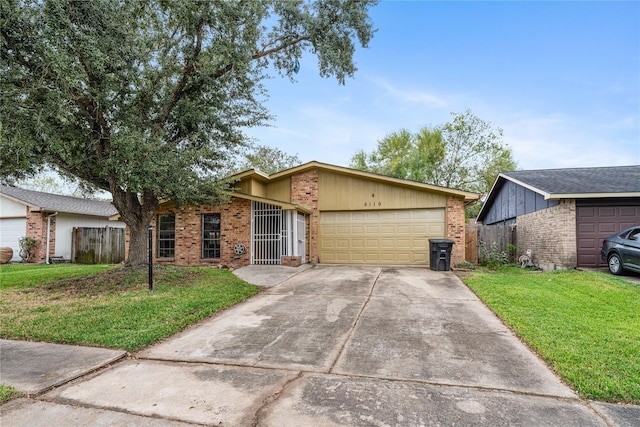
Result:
pixel 379 237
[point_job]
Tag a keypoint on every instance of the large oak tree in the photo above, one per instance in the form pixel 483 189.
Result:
pixel 147 99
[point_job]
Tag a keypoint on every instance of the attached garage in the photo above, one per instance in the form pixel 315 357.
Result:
pixel 597 220
pixel 11 231
pixel 352 216
pixel 48 218
pixel 379 237
pixel 562 215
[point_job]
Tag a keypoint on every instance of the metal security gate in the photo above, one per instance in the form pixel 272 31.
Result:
pixel 266 233
pixel 276 233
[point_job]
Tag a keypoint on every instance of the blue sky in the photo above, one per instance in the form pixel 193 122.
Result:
pixel 562 79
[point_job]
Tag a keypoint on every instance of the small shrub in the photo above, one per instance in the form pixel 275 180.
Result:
pixel 492 257
pixel 28 247
pixel 466 265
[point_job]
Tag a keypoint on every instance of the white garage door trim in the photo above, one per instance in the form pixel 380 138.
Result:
pixel 379 237
pixel 11 231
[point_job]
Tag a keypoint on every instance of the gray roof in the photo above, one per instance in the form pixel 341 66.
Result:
pixel 56 203
pixel 577 183
pixel 588 181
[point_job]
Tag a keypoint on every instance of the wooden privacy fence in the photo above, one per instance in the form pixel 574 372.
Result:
pixel 498 238
pixel 471 244
pixel 97 245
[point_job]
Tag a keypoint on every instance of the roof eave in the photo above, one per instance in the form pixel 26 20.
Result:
pixel 590 196
pixel 22 202
pixel 248 173
pixel 468 196
pixel 283 205
pixel 545 194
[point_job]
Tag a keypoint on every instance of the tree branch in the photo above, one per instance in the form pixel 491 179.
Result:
pixel 220 72
pixel 292 42
pixel 189 68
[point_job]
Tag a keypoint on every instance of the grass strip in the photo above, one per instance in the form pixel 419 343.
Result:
pixel 586 325
pixel 113 308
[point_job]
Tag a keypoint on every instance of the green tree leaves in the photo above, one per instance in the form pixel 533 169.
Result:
pixel 148 99
pixel 466 153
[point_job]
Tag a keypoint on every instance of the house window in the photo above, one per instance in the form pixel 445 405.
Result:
pixel 211 236
pixel 166 236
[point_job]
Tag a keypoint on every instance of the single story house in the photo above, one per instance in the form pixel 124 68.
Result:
pixel 49 218
pixel 562 215
pixel 316 213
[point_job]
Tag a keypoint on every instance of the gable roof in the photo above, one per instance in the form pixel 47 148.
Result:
pixel 468 196
pixel 576 183
pixel 39 201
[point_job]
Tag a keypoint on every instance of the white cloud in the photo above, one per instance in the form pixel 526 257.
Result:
pixel 559 141
pixel 410 96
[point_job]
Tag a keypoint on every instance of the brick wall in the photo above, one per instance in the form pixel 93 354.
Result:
pixel 551 235
pixel 304 191
pixel 37 228
pixel 455 228
pixel 235 227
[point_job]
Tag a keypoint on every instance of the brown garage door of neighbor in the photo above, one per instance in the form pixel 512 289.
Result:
pixel 594 223
pixel 379 237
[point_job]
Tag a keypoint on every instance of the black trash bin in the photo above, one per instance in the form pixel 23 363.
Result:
pixel 440 259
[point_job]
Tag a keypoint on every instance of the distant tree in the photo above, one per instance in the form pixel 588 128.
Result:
pixel 268 160
pixel 49 181
pixel 147 99
pixel 45 183
pixel 405 155
pixel 467 153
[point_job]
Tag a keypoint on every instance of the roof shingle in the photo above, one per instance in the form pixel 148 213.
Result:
pixel 600 180
pixel 56 203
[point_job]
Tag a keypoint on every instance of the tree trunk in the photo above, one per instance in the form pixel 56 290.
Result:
pixel 138 254
pixel 137 212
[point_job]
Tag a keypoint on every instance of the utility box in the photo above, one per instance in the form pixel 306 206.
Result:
pixel 440 259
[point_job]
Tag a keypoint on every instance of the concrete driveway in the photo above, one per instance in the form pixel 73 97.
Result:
pixel 332 346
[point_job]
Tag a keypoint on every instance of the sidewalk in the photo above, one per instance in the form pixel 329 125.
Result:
pixel 35 367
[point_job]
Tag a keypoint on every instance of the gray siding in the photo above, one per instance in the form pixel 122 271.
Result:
pixel 514 200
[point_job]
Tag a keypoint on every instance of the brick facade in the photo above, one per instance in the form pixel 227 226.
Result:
pixel 235 228
pixel 37 228
pixel 456 228
pixel 551 235
pixel 304 192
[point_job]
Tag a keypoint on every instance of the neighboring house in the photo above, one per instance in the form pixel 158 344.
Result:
pixel 31 213
pixel 562 215
pixel 316 213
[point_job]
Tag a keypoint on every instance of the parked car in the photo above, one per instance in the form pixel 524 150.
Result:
pixel 622 251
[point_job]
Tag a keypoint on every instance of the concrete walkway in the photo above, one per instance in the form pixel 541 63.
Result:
pixel 34 367
pixel 334 346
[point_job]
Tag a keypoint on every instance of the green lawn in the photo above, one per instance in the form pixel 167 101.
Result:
pixel 586 325
pixel 110 307
pixel 20 275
